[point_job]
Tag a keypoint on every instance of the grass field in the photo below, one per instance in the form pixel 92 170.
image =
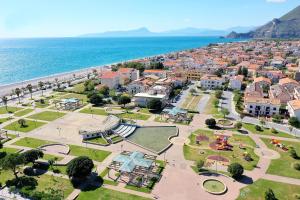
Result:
pixel 9 150
pixel 107 194
pixel 79 88
pixel 31 142
pixel 10 109
pixel 265 131
pixel 23 112
pixel 98 140
pixel 30 125
pixel 284 165
pixel 94 111
pixel 134 116
pixel 2 120
pixel 283 191
pixel 211 107
pixel 191 102
pixel 47 116
pixel 94 154
pixel 38 104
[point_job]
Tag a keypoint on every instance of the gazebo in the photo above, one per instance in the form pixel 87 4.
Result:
pixel 69 104
pixel 176 114
pixel 135 168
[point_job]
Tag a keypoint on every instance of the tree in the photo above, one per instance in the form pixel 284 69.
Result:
pixel 236 170
pixel 225 112
pixel 211 123
pixel 199 165
pixel 52 161
pixel 293 153
pixel 262 123
pixel 293 121
pixel 218 94
pixel 269 195
pixel 245 71
pixel 277 118
pixel 238 125
pixel 18 92
pixel 41 86
pixel 89 85
pixel 32 155
pixel 22 123
pixel 124 99
pixel 104 90
pixel 29 88
pixel 154 104
pixel 12 162
pixel 80 167
pixel 258 128
pixel 96 99
pixel 4 101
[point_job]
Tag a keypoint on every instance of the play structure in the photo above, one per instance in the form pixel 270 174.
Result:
pixel 221 143
pixel 278 144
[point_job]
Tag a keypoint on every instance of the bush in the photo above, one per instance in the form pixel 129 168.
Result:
pixel 236 170
pixel 293 121
pixel 238 125
pixel 211 122
pixel 273 130
pixel 218 94
pixel 269 195
pixel 80 167
pixel 293 153
pixel 296 166
pixel 23 181
pixel 199 165
pixel 96 99
pixel 29 171
pixel 41 165
pixel 258 128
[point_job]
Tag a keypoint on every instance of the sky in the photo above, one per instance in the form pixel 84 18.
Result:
pixel 67 18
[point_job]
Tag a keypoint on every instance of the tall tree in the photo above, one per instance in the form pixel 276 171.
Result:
pixel 124 99
pixel 80 167
pixel 41 86
pixel 31 156
pixel 12 162
pixel 29 88
pixel 4 101
pixel 18 92
pixel 225 112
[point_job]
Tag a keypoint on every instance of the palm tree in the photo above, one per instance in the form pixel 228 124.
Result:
pixel 29 88
pixel 4 101
pixel 18 92
pixel 41 86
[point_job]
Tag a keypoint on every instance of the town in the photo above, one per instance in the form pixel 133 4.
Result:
pixel 218 122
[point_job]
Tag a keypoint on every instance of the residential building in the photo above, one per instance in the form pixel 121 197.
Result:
pixel 294 108
pixel 281 93
pixel 236 82
pixel 211 82
pixel 142 99
pixel 262 106
pixel 126 75
pixel 110 79
pixel 156 72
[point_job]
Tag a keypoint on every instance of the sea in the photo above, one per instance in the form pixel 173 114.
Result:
pixel 26 59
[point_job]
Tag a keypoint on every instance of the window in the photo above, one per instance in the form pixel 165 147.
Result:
pixel 251 106
pixel 274 109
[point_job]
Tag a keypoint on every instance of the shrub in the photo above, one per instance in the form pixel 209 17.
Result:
pixel 269 195
pixel 80 167
pixel 96 99
pixel 29 171
pixel 238 125
pixel 210 122
pixel 258 128
pixel 296 166
pixel 273 130
pixel 22 123
pixel 236 170
pixel 293 153
pixel 293 121
pixel 154 104
pixel 23 181
pixel 199 165
pixel 218 94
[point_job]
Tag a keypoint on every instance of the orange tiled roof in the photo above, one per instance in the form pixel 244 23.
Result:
pixel 261 78
pixel 108 75
pixel 284 81
pixel 295 104
pixel 154 71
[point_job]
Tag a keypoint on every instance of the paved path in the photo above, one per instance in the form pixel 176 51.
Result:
pixel 203 102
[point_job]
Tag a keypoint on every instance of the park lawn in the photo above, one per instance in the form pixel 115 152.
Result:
pixel 30 125
pixel 38 104
pixel 31 142
pixel 9 150
pixel 236 155
pixel 23 112
pixel 5 175
pixel 211 109
pixel 94 154
pixel 265 131
pixel 116 139
pixel 47 116
pixel 187 101
pixel 134 116
pixel 107 194
pixel 98 140
pixel 145 111
pixel 244 139
pixel 283 191
pixel 46 181
pixel 62 169
pixel 194 104
pixel 103 174
pixel 208 133
pixel 94 111
pixel 78 88
pixel 284 165
pixel 49 157
pixel 2 120
pixel 10 109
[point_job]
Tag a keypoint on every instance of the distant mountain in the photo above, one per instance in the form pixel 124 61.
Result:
pixel 190 31
pixel 288 26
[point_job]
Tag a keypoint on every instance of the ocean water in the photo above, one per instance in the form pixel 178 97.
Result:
pixel 24 59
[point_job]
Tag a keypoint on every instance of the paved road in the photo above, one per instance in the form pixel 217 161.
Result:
pixel 181 98
pixel 203 102
pixel 228 103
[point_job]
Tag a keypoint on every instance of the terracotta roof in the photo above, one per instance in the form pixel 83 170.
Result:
pixel 262 100
pixel 284 81
pixel 154 71
pixel 295 104
pixel 125 70
pixel 108 75
pixel 210 77
pixel 261 78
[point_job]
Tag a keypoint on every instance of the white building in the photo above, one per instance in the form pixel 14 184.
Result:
pixel 211 82
pixel 294 108
pixel 127 75
pixel 156 72
pixel 142 99
pixel 235 82
pixel 110 79
pixel 262 106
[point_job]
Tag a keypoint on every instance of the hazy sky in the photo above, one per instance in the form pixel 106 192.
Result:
pixel 46 18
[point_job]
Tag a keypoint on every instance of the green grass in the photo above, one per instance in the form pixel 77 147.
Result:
pixel 211 108
pixel 107 181
pixel 208 133
pixel 192 153
pixel 94 111
pixel 38 104
pixel 107 194
pixel 214 186
pixel 284 165
pixel 5 175
pixel 31 142
pixel 265 131
pixel 2 120
pixel 94 154
pixel 47 181
pixel 47 116
pixel 49 156
pixel 283 191
pixel 23 112
pixel 139 189
pixel 10 109
pixel 244 139
pixel 135 116
pixel 62 169
pixel 116 139
pixel 9 150
pixel 30 125
pixel 145 111
pixel 98 140
pixel 193 105
pixel 79 88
